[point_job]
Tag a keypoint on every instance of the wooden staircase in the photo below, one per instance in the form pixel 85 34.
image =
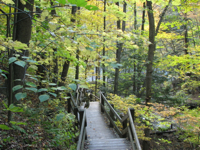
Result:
pixel 99 135
pixel 95 133
pixel 109 144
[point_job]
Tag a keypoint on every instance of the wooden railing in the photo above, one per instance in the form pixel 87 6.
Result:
pixel 74 107
pixel 127 130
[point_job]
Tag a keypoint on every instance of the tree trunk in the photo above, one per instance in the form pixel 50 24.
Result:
pixel 150 52
pixel 103 66
pixel 64 73
pixel 146 144
pixel 23 34
pixel 143 18
pixel 67 62
pixel 134 66
pixel 119 50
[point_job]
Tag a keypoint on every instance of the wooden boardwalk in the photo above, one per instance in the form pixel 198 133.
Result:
pixel 99 135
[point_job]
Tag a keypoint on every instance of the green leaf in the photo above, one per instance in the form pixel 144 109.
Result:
pixel 94 45
pixel 88 48
pixel 79 3
pixel 20 95
pixel 52 84
pixel 59 116
pixel 61 88
pixel 17 87
pixel 14 108
pixel 42 90
pixel 19 128
pixel 12 59
pixel 31 84
pixel 34 78
pixel 55 95
pixel 18 123
pixel 4 127
pixel 25 57
pixel 20 63
pixel 44 97
pixel 73 86
pixel 31 89
pixel 84 86
pixel 4 76
pixel 62 2
pixel 91 7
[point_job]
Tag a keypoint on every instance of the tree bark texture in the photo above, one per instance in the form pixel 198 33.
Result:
pixel 64 73
pixel 146 144
pixel 104 52
pixel 119 50
pixel 23 34
pixel 143 17
pixel 150 52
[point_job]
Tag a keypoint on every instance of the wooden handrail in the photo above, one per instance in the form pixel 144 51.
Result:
pixel 112 109
pixel 129 116
pixel 81 140
pixel 133 130
pixel 80 116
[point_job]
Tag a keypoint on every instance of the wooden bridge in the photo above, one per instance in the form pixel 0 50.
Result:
pixel 98 130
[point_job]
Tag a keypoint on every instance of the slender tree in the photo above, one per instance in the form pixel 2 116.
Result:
pixel 22 33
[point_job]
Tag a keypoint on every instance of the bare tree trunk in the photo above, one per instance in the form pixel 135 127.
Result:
pixel 23 34
pixel 134 66
pixel 119 50
pixel 146 144
pixel 67 62
pixel 143 17
pixel 104 27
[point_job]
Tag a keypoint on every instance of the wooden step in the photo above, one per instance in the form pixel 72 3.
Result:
pixel 108 144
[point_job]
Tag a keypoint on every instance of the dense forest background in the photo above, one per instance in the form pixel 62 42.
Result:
pixel 141 54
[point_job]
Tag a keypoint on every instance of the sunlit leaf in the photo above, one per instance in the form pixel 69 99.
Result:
pixel 91 7
pixel 4 127
pixel 79 3
pixel 14 108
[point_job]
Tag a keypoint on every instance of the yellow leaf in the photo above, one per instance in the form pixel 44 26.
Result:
pixel 23 2
pixel 8 1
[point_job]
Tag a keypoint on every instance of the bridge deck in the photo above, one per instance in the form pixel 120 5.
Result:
pixel 100 136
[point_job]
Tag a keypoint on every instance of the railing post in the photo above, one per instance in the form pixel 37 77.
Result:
pixel 124 124
pixel 132 110
pixel 81 116
pixel 81 112
pixel 112 116
pixel 102 102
